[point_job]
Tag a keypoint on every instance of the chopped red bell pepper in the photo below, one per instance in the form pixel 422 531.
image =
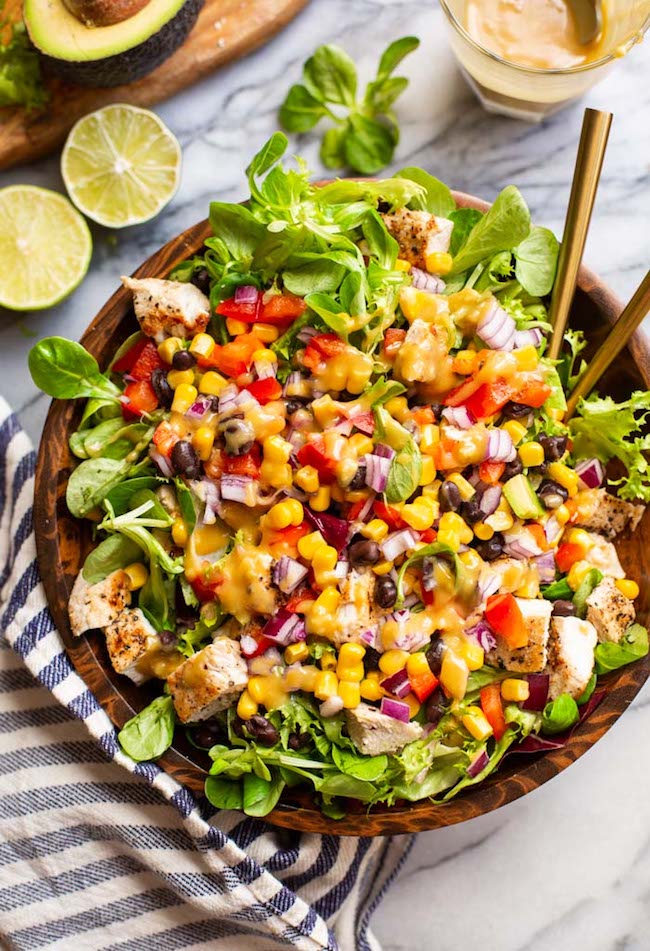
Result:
pixel 393 340
pixel 567 555
pixel 533 393
pixel 313 453
pixel 147 362
pixel 492 707
pixel 444 455
pixel 204 589
pixel 423 416
pixel 364 421
pixel 389 515
pixel 284 541
pixel 491 472
pixel 300 601
pixel 246 311
pixel 234 358
pixel 127 361
pixel 428 535
pixel 140 399
pixel 165 438
pixel 322 347
pixel 489 398
pixel 245 465
pixel 282 309
pixel 355 509
pixel 504 616
pixel 263 644
pixel 462 393
pixel 265 390
pixel 423 685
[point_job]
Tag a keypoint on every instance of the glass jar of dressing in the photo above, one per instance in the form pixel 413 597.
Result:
pixel 524 58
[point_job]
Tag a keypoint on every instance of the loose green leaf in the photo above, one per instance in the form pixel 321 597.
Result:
pixel 436 197
pixel 502 228
pixel 331 76
pixel 433 550
pixel 332 149
pixel 464 220
pixel 633 646
pixel 65 370
pixel 300 111
pixel 394 53
pixel 560 714
pixel 587 585
pixel 330 312
pixel 260 796
pixel 121 497
pixel 148 734
pixel 369 145
pixel 317 274
pixel 112 553
pixel 368 768
pixel 186 503
pixel 381 244
pixel 404 474
pixel 558 591
pixel 237 227
pixel 588 691
pixel 90 482
pixel 224 793
pixel 536 258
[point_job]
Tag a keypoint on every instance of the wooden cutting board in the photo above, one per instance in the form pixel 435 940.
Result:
pixel 225 31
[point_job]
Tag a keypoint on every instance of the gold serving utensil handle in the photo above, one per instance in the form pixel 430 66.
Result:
pixel 617 338
pixel 586 174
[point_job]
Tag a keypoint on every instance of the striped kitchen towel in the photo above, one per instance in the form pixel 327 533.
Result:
pixel 97 851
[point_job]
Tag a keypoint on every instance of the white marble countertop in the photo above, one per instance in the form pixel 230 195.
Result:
pixel 568 866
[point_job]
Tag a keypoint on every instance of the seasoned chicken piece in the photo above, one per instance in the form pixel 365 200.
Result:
pixel 135 649
pixel 570 656
pixel 532 658
pixel 209 681
pixel 168 308
pixel 372 732
pixel 424 354
pixel 610 612
pixel 419 234
pixel 96 605
pixel 355 611
pixel 503 575
pixel 603 555
pixel 607 514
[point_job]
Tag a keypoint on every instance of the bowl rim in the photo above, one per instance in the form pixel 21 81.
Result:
pixel 51 523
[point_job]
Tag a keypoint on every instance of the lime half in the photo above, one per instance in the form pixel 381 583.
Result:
pixel 45 247
pixel 121 165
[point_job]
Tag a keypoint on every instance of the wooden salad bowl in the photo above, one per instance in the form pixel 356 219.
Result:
pixel 63 542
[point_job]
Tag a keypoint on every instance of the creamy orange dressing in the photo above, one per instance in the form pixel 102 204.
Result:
pixel 537 33
pixel 245 588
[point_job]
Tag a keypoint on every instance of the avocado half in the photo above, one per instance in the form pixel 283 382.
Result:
pixel 108 55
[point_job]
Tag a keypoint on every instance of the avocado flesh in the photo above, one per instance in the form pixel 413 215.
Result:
pixel 522 498
pixel 110 55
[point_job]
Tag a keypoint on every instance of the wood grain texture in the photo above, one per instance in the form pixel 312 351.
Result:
pixel 225 31
pixel 63 542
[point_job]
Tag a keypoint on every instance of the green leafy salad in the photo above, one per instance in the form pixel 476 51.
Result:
pixel 341 526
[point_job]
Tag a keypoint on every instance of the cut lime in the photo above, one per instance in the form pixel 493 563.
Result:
pixel 45 247
pixel 121 165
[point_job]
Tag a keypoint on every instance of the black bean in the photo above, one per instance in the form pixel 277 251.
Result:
pixel 437 409
pixel 183 360
pixel 167 638
pixel 185 460
pixel 161 387
pixel 239 435
pixel 515 410
pixel 471 511
pixel 292 406
pixel 201 279
pixel 492 548
pixel 359 479
pixel 434 653
pixel 297 741
pixel 363 553
pixel 435 709
pixel 208 734
pixel 371 659
pixel 564 609
pixel 449 497
pixel 512 469
pixel 552 494
pixel 385 591
pixel 554 447
pixel 262 730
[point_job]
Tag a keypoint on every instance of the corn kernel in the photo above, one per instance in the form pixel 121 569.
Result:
pixel 577 574
pixel 475 723
pixel 279 516
pixel 398 408
pixel 402 265
pixel 308 544
pixel 267 333
pixel 429 438
pixel 176 377
pixel 412 703
pixel 502 520
pixel 327 685
pixel 325 558
pixel 328 600
pixel 202 345
pixel 531 454
pixel 627 587
pixel 296 511
pixel 277 474
pixel 465 488
pixel 371 689
pixel 375 529
pixel 472 560
pixel 530 587
pixel 325 410
pixel 235 327
pixel 350 672
pixel 483 532
pixel 527 358
pixel 361 444
pixel 454 674
pixel 566 477
pixel 309 675
pixel 359 375
pixel 428 473
pixel 262 355
pixel 137 574
pixel 392 661
pixel 417 664
pixel 440 262
pixel 351 653
pixel 382 567
pixel 350 694
pixel 562 514
pixel 320 502
pixel 296 653
pixel 184 397
pixel 466 362
pixel 328 661
pixel 515 691
pixel 212 383
pixel 203 440
pixel 453 523
pixel 168 348
pixel 307 479
pixel 472 653
pixel 257 689
pixel 515 430
pixel 277 449
pixel 246 706
pixel 180 534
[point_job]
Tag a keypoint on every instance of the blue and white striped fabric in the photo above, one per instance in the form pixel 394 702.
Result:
pixel 99 852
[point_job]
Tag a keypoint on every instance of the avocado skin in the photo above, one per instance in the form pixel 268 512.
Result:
pixel 133 64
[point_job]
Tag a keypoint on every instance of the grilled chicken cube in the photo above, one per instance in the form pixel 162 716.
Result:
pixel 135 649
pixel 419 234
pixel 354 613
pixel 372 732
pixel 168 308
pixel 503 575
pixel 607 514
pixel 209 681
pixel 97 605
pixel 532 658
pixel 603 555
pixel 610 612
pixel 419 357
pixel 570 656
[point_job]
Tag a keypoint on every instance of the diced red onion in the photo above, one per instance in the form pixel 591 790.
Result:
pixel 285 628
pixel 331 706
pixel 227 397
pixel 306 333
pixel 398 683
pixel 294 379
pixel 199 408
pixel 497 329
pixel 489 585
pixel 239 489
pixel 366 509
pixel 162 462
pixel 426 282
pixel 209 493
pixel 364 423
pixel 334 530
pixel 458 416
pixel 490 499
pixel 385 452
pixel 483 634
pixel 538 685
pixel 371 638
pixel 399 542
pixel 546 567
pixel 591 472
pixel 528 338
pixel 411 600
pixel 244 398
pixel 248 645
pixel 478 764
pixel 246 294
pixel 345 427
pixel 396 709
pixel 552 529
pixel 500 447
pixel 521 544
pixel 377 472
pixel 296 438
pixel 265 369
pixel 288 573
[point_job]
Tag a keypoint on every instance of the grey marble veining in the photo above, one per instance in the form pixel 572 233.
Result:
pixel 569 866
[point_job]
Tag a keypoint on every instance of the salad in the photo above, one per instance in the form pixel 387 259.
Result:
pixel 340 523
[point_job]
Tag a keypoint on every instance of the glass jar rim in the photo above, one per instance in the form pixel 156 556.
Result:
pixel 537 70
